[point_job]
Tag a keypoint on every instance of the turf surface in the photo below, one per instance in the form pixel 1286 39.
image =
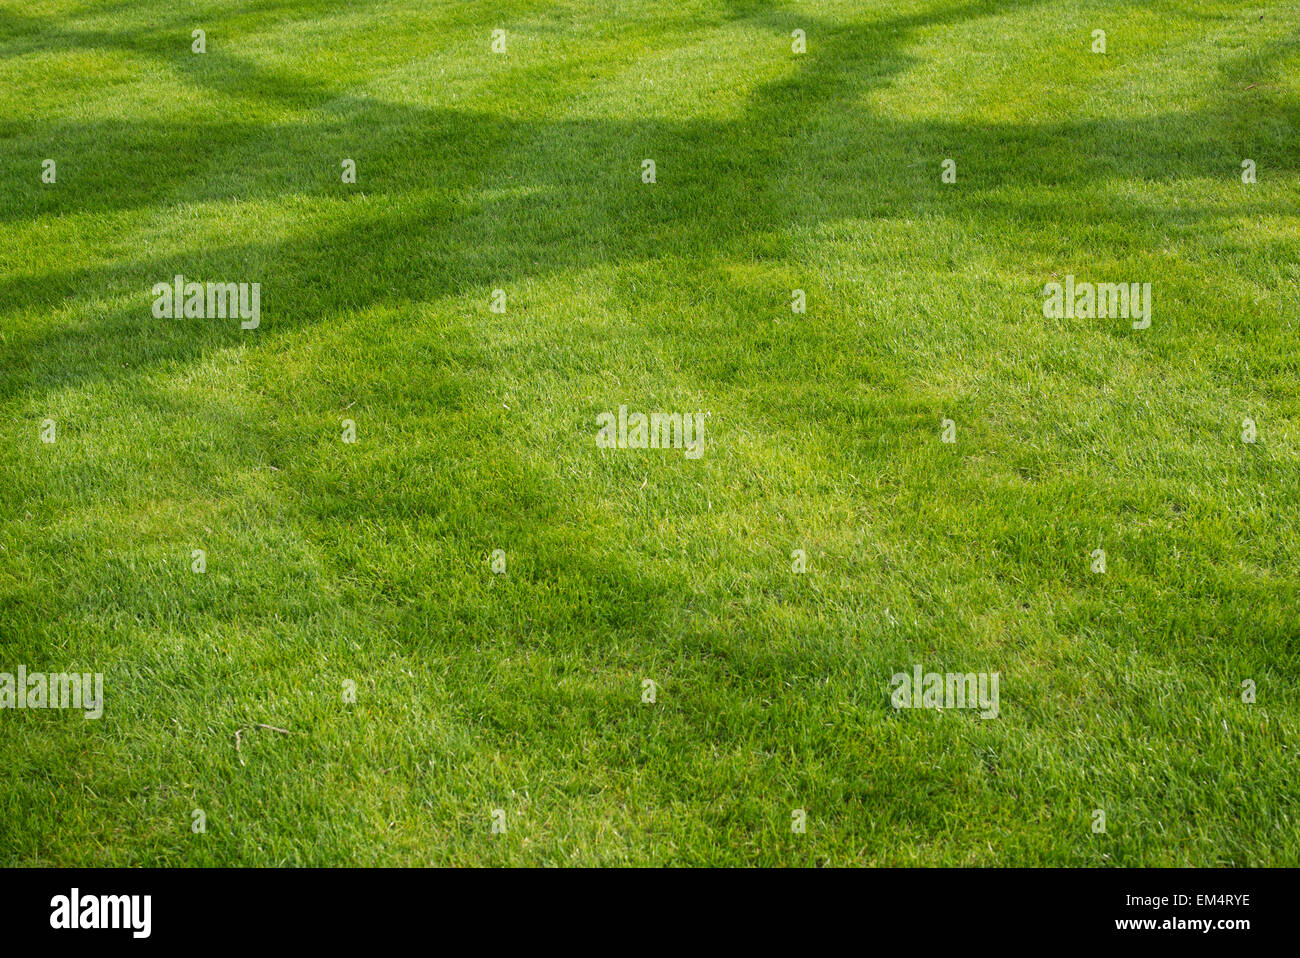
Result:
pixel 335 567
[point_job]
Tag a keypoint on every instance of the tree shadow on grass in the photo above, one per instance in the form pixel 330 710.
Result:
pixel 454 200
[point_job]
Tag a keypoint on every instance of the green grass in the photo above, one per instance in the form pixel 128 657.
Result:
pixel 330 562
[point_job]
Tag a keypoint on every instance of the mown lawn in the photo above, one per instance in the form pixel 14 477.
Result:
pixel 370 563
